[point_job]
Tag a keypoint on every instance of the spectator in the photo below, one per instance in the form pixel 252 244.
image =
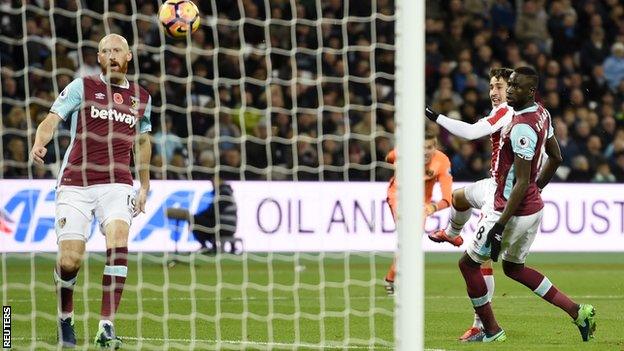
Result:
pixel 614 66
pixel 177 168
pixel 476 169
pixel 502 15
pixel 618 166
pixel 569 148
pixel 531 24
pixel 156 166
pixel 16 158
pixel 594 51
pixel 594 152
pixel 616 146
pixel 580 173
pixel 302 113
pixel 461 161
pixel 230 164
pixel 596 86
pixel 256 149
pixel 9 91
pixel 603 174
pixel 89 65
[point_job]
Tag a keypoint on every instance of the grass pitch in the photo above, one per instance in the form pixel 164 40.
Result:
pixel 307 302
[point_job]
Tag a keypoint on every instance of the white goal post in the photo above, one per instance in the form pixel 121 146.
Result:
pixel 410 83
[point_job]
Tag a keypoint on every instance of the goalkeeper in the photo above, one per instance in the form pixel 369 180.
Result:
pixel 108 114
pixel 437 170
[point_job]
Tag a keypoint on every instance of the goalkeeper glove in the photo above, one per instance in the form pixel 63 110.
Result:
pixel 494 239
pixel 431 114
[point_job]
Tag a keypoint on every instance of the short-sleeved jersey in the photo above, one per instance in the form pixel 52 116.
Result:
pixel 437 170
pixel 525 137
pixel 105 120
pixel 499 117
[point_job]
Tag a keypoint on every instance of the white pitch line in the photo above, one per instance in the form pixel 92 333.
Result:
pixel 284 298
pixel 333 345
pixel 264 343
pixel 249 343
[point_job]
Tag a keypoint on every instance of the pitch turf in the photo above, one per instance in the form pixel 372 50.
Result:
pixel 339 299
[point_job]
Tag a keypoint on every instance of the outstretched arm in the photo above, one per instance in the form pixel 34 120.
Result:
pixel 465 130
pixel 45 132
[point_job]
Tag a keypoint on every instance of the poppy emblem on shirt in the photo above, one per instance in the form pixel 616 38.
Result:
pixel 118 98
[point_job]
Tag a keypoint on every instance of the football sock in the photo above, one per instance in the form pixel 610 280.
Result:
pixel 391 272
pixel 457 220
pixel 65 282
pixel 478 293
pixel 113 279
pixel 488 276
pixel 104 322
pixel 489 282
pixel 542 287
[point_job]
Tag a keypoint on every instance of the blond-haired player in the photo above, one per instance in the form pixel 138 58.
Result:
pixel 437 170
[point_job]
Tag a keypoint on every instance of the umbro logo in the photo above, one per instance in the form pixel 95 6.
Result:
pixel 100 96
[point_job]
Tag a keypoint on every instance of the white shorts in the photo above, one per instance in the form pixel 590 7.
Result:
pixel 481 194
pixel 76 206
pixel 518 237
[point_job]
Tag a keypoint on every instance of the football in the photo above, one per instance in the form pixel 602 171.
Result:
pixel 179 18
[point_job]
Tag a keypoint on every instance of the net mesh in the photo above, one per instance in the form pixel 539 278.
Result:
pixel 264 90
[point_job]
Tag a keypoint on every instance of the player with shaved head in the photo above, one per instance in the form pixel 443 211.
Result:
pixel 109 116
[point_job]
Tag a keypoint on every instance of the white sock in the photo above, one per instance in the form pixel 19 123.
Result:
pixel 457 220
pixel 103 322
pixel 489 281
pixel 65 315
pixel 477 322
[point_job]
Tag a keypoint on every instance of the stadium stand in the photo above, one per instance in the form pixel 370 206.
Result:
pixel 344 125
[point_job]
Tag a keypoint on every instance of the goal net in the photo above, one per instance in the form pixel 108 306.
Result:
pixel 290 102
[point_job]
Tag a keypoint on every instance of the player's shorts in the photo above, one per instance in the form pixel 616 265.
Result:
pixel 76 206
pixel 518 237
pixel 481 194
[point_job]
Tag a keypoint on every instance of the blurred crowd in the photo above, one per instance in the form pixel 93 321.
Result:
pixel 577 48
pixel 247 97
pixel 288 90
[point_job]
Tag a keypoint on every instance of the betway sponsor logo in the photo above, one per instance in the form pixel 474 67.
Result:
pixel 113 115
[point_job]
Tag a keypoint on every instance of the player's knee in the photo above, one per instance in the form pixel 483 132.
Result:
pixel 120 238
pixel 459 200
pixel 466 263
pixel 512 269
pixel 69 262
pixel 118 233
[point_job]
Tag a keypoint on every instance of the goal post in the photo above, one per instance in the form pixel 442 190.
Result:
pixel 410 84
